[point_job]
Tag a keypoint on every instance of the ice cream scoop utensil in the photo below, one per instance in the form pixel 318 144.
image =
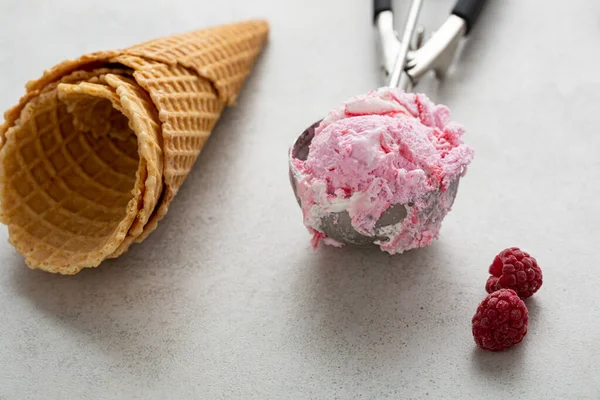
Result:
pixel 403 62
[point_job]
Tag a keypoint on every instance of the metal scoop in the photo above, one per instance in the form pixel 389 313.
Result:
pixel 403 63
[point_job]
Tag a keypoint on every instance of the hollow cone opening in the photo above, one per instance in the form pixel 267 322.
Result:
pixel 75 169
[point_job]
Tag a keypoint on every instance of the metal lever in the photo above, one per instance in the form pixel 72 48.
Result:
pixel 398 77
pixel 405 62
pixel 438 52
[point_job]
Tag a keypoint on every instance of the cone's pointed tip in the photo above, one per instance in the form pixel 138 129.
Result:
pixel 260 23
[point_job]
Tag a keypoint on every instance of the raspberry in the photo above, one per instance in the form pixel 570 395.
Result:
pixel 500 321
pixel 517 270
pixel 491 285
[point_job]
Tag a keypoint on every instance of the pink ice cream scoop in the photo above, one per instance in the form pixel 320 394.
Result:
pixel 381 169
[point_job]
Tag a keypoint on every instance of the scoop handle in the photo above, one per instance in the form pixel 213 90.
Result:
pixel 469 10
pixel 380 6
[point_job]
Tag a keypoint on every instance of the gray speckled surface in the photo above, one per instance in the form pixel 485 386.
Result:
pixel 227 300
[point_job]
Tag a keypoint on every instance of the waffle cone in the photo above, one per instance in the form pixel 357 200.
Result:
pixel 98 147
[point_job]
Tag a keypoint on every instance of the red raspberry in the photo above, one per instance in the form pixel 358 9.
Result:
pixel 491 285
pixel 500 321
pixel 517 270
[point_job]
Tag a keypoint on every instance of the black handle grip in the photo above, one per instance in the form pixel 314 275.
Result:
pixel 469 10
pixel 380 6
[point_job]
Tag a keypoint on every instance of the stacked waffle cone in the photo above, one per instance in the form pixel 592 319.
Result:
pixel 97 148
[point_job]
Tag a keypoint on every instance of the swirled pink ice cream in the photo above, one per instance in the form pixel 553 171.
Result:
pixel 377 150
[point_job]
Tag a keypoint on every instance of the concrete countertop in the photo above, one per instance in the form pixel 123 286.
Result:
pixel 227 299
